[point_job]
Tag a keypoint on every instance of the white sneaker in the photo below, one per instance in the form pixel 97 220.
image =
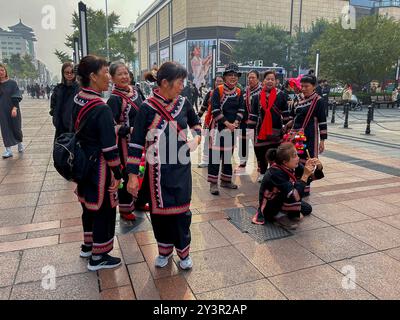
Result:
pixel 260 178
pixel 7 154
pixel 186 264
pixel 162 261
pixel 202 165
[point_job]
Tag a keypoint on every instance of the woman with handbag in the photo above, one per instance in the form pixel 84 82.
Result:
pixel 124 102
pixel 266 118
pixel 161 129
pixel 309 122
pixel 10 114
pixel 97 137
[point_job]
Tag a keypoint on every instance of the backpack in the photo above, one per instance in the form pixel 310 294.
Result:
pixel 70 159
pixel 209 111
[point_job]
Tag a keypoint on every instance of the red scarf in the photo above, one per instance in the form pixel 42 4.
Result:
pixel 266 128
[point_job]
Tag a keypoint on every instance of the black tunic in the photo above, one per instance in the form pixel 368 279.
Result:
pixel 282 190
pixel 256 119
pixel 98 140
pixel 170 178
pixel 316 129
pixel 10 96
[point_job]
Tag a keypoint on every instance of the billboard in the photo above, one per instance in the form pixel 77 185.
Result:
pixel 200 61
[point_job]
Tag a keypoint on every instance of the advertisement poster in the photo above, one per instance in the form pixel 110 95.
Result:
pixel 164 55
pixel 200 61
pixel 179 53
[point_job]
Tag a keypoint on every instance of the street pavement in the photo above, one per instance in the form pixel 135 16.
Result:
pixel 348 249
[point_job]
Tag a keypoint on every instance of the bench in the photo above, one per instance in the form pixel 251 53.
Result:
pixel 383 100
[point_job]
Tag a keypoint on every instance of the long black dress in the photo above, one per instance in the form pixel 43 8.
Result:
pixel 10 97
pixel 168 177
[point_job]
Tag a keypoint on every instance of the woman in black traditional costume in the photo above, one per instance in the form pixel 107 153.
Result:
pixel 227 110
pixel 10 114
pixel 125 101
pixel 310 118
pixel 62 100
pixel 266 117
pixel 252 90
pixel 161 129
pixel 98 194
pixel 283 187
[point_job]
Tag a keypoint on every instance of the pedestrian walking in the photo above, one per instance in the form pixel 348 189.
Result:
pixel 10 113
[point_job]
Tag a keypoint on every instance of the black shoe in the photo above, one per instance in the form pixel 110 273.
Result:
pixel 106 262
pixel 86 251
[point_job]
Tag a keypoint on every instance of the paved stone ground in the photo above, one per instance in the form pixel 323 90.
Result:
pixel 356 224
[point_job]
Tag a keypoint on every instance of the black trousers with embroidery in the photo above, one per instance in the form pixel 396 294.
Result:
pixel 172 231
pixel 99 227
pixel 221 153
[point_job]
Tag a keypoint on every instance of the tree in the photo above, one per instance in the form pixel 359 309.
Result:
pixel 62 56
pixel 265 42
pixel 21 68
pixel 360 55
pixel 303 41
pixel 121 42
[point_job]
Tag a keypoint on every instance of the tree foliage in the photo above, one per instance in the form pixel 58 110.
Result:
pixel 21 67
pixel 360 55
pixel 121 42
pixel 265 42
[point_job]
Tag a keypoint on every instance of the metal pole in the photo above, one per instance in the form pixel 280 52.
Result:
pixel 333 120
pixel 369 120
pixel 214 64
pixel 83 29
pixel 76 51
pixel 346 119
pixel 107 33
pixel 398 72
pixel 317 63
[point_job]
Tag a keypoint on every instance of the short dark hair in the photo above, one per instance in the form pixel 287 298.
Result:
pixel 268 72
pixel 281 154
pixel 309 79
pixel 88 65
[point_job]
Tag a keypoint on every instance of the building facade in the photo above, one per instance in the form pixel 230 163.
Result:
pixel 187 30
pixel 19 39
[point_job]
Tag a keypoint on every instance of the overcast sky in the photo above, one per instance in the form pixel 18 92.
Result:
pixel 30 11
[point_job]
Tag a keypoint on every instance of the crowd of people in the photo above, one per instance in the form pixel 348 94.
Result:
pixel 139 147
pixel 39 91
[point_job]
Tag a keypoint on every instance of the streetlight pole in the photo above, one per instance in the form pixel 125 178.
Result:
pixel 317 64
pixel 107 34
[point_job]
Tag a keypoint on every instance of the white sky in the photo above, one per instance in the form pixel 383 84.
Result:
pixel 30 11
